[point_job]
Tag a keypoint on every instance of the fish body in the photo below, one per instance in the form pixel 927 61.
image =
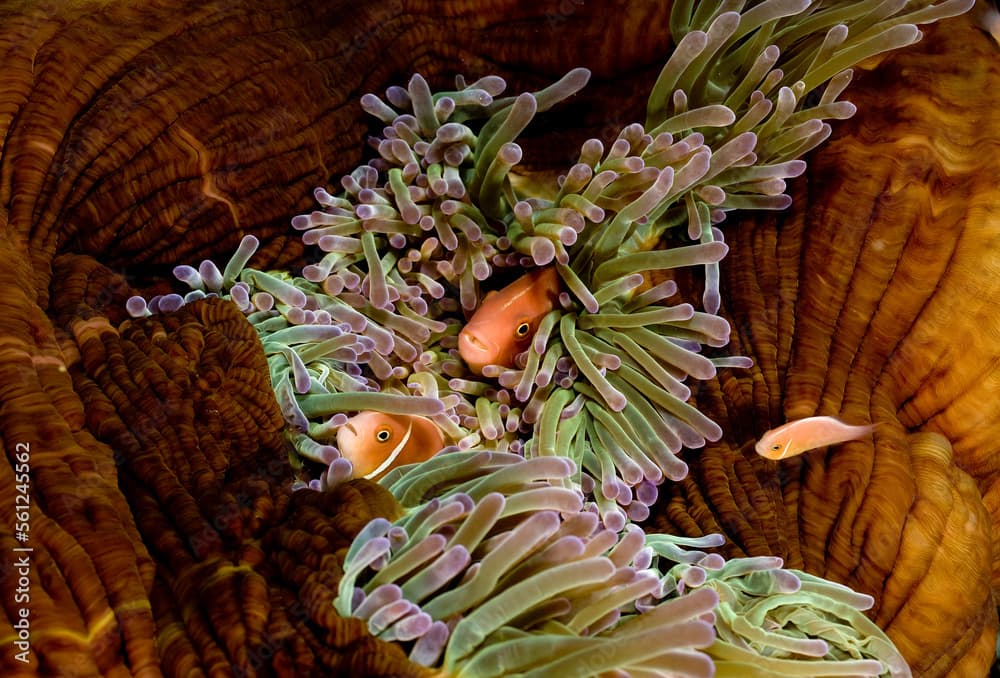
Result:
pixel 505 321
pixel 803 435
pixel 375 442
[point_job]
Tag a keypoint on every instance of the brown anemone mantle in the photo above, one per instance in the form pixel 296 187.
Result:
pixel 165 539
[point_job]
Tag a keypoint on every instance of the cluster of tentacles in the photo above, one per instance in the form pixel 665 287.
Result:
pixel 371 325
pixel 161 454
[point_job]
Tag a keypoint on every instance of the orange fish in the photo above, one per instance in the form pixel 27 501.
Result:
pixel 375 442
pixel 803 435
pixel 505 321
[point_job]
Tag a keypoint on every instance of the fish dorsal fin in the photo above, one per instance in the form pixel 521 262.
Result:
pixel 388 461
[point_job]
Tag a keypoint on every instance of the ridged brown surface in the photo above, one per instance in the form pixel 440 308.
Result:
pixel 164 135
pixel 151 134
pixel 165 539
pixel 245 571
pixel 876 297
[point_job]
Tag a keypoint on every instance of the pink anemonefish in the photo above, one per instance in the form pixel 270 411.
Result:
pixel 505 321
pixel 375 442
pixel 803 435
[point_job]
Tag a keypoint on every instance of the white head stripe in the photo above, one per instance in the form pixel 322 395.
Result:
pixel 784 450
pixel 392 456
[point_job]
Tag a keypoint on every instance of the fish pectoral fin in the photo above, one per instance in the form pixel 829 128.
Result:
pixel 391 457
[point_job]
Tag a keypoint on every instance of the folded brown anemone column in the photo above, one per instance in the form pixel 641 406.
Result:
pixel 155 134
pixel 163 134
pixel 874 297
pixel 86 586
pixel 245 569
pixel 187 124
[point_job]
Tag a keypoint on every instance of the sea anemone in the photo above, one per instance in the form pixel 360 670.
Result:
pixel 499 569
pixel 773 619
pixel 436 213
pixel 507 572
pixel 183 126
pixel 372 324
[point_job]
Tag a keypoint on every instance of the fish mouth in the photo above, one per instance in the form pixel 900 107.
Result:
pixel 474 342
pixel 476 351
pixel 347 437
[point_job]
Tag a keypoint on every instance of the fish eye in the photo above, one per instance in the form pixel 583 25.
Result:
pixel 522 330
pixel 775 448
pixel 383 435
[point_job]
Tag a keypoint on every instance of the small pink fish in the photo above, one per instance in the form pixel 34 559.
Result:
pixel 375 442
pixel 505 321
pixel 803 435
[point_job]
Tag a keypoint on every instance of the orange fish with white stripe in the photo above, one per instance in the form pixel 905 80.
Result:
pixel 375 442
pixel 505 321
pixel 802 435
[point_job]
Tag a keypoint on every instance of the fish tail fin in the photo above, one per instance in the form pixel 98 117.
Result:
pixel 863 431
